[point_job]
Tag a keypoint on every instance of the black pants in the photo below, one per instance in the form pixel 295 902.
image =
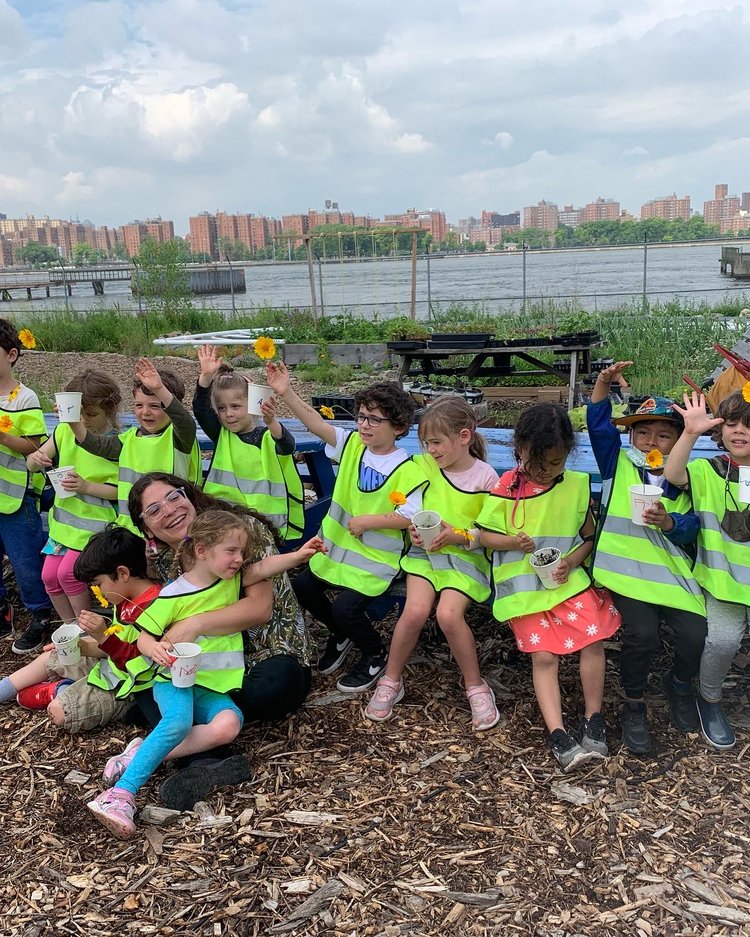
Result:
pixel 344 617
pixel 640 642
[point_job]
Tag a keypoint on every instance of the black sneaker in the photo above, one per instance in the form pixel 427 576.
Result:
pixel 714 724
pixel 184 789
pixel 363 674
pixel 634 722
pixel 567 751
pixel 333 656
pixel 593 735
pixel 7 616
pixel 32 640
pixel 681 704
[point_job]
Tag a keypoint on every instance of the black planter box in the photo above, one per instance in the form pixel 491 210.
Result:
pixel 405 346
pixel 459 340
pixel 341 404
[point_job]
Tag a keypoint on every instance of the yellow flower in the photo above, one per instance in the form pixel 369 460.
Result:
pixel 26 337
pixel 328 413
pixel 655 459
pixel 113 629
pixel 14 393
pixel 467 535
pixel 6 424
pixel 264 348
pixel 97 593
pixel 746 391
pixel 397 498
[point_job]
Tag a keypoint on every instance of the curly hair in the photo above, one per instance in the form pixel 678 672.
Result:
pixel 540 428
pixel 97 389
pixel 393 402
pixel 112 547
pixel 448 416
pixel 732 409
pixel 174 384
pixel 9 339
pixel 196 496
pixel 208 530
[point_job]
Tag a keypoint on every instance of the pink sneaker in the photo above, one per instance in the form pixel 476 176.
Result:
pixel 116 765
pixel 114 809
pixel 387 693
pixel 484 711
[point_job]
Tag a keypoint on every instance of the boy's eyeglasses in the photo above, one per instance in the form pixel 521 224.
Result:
pixel 156 510
pixel 373 421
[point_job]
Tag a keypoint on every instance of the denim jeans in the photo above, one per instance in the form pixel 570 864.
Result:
pixel 21 539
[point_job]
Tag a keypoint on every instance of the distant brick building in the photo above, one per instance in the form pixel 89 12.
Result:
pixel 542 215
pixel 721 209
pixel 667 207
pixel 603 209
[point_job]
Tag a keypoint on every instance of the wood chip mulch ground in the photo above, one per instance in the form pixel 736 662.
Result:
pixel 413 827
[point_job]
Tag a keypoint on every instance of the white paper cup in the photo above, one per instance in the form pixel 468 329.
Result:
pixel 428 524
pixel 642 497
pixel 66 640
pixel 56 477
pixel 186 664
pixel 256 395
pixel 68 407
pixel 544 562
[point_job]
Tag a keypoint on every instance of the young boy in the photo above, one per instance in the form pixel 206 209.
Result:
pixel 252 465
pixel 646 569
pixel 22 431
pixel 80 697
pixel 378 490
pixel 164 440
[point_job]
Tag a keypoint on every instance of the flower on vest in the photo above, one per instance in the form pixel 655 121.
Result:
pixel 14 393
pixel 113 629
pixel 397 498
pixel 655 459
pixel 6 424
pixel 264 347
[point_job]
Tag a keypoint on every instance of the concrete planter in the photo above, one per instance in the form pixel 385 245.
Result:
pixel 340 354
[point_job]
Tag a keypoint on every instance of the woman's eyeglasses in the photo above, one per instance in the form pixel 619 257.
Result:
pixel 373 421
pixel 154 511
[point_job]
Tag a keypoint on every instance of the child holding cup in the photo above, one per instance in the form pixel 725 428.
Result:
pixel 540 506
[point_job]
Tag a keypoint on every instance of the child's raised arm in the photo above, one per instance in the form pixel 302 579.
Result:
pixel 606 378
pixel 697 422
pixel 276 563
pixel 277 376
pixel 210 364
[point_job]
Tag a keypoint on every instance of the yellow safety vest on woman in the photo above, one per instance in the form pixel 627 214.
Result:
pixel 258 477
pixel 14 476
pixel 368 564
pixel 452 567
pixel 723 563
pixel 553 518
pixel 222 661
pixel 73 521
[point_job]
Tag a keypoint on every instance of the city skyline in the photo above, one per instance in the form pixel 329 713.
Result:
pixel 119 110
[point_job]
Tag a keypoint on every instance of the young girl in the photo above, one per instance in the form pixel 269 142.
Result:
pixel 215 557
pixel 535 506
pixel 73 520
pixel 455 567
pixel 251 465
pixel 720 489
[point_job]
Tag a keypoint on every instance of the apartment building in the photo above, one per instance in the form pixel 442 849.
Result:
pixel 542 215
pixel 667 208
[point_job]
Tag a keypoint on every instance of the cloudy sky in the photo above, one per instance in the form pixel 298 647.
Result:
pixel 126 108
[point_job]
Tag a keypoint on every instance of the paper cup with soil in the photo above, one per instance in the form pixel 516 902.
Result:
pixel 429 526
pixel 185 664
pixel 257 394
pixel 544 563
pixel 67 644
pixel 641 498
pixel 56 478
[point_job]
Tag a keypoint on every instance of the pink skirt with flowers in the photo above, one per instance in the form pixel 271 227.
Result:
pixel 582 619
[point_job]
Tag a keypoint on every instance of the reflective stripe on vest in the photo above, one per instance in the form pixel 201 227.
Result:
pixel 452 567
pixel 152 453
pixel 553 518
pixel 369 564
pixel 105 674
pixel 14 476
pixel 641 562
pixel 723 565
pixel 259 478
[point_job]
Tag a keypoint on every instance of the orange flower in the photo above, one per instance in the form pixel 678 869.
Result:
pixel 327 412
pixel 26 337
pixel 264 348
pixel 6 424
pixel 99 596
pixel 746 391
pixel 397 498
pixel 655 459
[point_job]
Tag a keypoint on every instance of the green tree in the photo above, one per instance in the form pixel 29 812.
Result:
pixel 86 254
pixel 236 250
pixel 119 251
pixel 162 280
pixel 38 254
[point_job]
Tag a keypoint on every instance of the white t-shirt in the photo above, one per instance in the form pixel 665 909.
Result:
pixel 24 400
pixel 179 586
pixel 480 477
pixel 375 469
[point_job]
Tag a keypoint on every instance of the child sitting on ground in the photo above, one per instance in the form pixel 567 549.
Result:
pixel 80 697
pixel 378 489
pixel 541 506
pixel 251 465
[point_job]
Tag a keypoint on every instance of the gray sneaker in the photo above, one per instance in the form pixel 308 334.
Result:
pixel 567 751
pixel 593 735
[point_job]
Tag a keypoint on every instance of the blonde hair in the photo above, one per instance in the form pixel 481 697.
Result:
pixel 229 381
pixel 97 389
pixel 208 530
pixel 448 416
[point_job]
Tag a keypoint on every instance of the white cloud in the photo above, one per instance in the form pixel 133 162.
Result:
pixel 503 139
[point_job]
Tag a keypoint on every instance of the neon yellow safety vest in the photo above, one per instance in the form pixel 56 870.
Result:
pixel 14 476
pixel 723 564
pixel 368 564
pixel 641 562
pixel 258 477
pixel 452 567
pixel 105 674
pixel 222 662
pixel 553 518
pixel 151 453
pixel 73 521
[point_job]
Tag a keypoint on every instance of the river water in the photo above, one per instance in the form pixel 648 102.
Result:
pixel 590 279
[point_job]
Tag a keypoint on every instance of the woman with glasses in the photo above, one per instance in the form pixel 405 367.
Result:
pixel 278 655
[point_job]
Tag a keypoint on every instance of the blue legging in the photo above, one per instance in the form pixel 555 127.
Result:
pixel 181 708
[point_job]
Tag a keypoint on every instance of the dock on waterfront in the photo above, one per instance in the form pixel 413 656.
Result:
pixel 735 263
